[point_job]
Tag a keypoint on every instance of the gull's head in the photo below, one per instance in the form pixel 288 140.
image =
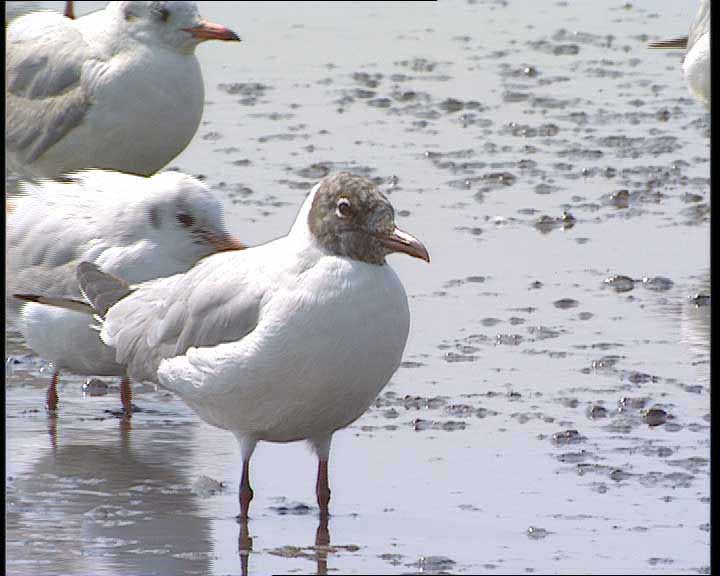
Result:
pixel 350 217
pixel 173 24
pixel 182 216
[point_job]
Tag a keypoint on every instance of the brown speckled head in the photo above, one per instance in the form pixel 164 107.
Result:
pixel 350 217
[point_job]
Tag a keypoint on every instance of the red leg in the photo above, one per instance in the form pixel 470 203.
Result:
pixel 52 432
pixel 322 542
pixel 69 10
pixel 244 547
pixel 52 395
pixel 126 396
pixel 246 492
pixel 322 488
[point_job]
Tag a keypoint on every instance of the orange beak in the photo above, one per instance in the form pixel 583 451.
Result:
pixel 225 243
pixel 210 31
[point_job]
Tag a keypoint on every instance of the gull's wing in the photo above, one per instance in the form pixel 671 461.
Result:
pixel 672 44
pixel 701 24
pixel 219 300
pixel 53 225
pixel 45 95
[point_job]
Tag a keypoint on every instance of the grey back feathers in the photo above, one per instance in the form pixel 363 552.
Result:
pixel 34 90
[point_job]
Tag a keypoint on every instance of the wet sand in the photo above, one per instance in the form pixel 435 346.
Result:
pixel 552 412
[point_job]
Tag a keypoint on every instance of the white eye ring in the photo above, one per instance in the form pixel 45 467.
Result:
pixel 343 208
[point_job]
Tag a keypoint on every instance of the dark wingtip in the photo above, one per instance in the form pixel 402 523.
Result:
pixel 27 297
pixel 673 44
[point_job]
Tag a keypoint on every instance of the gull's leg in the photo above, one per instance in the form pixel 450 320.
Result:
pixel 244 546
pixel 322 542
pixel 52 432
pixel 246 492
pixel 69 10
pixel 322 486
pixel 247 447
pixel 126 396
pixel 52 395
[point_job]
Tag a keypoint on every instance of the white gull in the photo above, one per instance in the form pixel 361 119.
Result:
pixel 696 64
pixel 117 89
pixel 291 340
pixel 137 227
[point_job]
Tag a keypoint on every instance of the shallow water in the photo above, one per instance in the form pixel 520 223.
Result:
pixel 551 416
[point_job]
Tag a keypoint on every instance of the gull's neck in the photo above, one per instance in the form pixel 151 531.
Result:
pixel 300 231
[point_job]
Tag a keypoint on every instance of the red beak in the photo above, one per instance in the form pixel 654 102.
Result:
pixel 211 31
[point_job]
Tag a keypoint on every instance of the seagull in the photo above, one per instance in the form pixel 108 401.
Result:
pixel 138 227
pixel 290 340
pixel 696 64
pixel 118 89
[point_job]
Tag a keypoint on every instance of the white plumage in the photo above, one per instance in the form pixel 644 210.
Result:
pixel 118 89
pixel 696 65
pixel 286 341
pixel 136 227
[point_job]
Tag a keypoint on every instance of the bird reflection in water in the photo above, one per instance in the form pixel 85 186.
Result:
pixel 125 426
pixel 321 548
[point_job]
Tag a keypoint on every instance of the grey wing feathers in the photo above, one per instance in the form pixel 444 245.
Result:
pixel 67 303
pixel 44 96
pixel 165 317
pixel 102 290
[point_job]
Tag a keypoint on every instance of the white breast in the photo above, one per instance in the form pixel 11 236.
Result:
pixel 326 346
pixel 66 339
pixel 144 113
pixel 696 68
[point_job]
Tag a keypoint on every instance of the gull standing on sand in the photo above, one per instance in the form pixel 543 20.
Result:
pixel 117 89
pixel 696 64
pixel 291 340
pixel 139 228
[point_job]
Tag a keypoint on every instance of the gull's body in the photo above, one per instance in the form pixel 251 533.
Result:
pixel 245 343
pixel 117 89
pixel 696 64
pixel 291 340
pixel 128 225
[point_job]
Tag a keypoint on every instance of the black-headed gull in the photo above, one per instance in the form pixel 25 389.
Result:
pixel 117 89
pixel 140 228
pixel 291 340
pixel 696 64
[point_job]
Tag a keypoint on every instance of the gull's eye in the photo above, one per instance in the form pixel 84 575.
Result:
pixel 162 14
pixel 185 219
pixel 343 208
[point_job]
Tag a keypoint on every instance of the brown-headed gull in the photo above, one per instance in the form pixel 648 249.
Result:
pixel 139 228
pixel 118 89
pixel 696 64
pixel 290 340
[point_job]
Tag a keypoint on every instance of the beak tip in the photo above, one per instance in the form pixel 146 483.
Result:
pixel 211 31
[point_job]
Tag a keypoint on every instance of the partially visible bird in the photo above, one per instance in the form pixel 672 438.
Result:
pixel 116 89
pixel 696 64
pixel 291 340
pixel 140 228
